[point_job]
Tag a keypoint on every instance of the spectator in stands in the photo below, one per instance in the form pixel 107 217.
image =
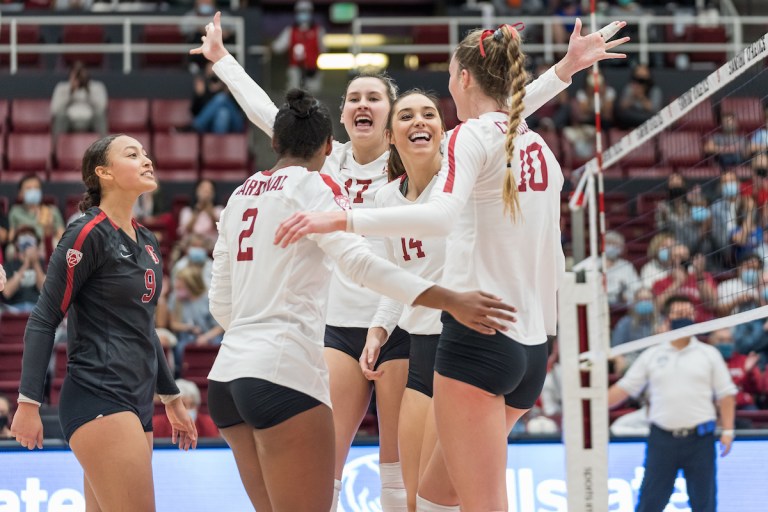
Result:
pixel 584 111
pixel 724 213
pixel 5 417
pixel 73 5
pixel 303 42
pixel 190 397
pixel 45 219
pixel 702 240
pixel 743 368
pixel 196 255
pixel 202 216
pixel 758 144
pixel 757 187
pixel 193 30
pixel 752 337
pixel 688 278
pixel 744 292
pixel 79 104
pixel 658 259
pixel 565 9
pixel 674 214
pixel 190 314
pixel 640 99
pixel 639 322
pixel 214 110
pixel 747 236
pixel 682 377
pixel 622 278
pixel 3 233
pixel 25 272
pixel 728 146
pixel 554 114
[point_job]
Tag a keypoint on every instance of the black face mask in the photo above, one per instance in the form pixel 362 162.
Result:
pixel 3 422
pixel 676 192
pixel 761 172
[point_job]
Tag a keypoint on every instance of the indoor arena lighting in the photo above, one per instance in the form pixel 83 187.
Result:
pixel 348 61
pixel 344 41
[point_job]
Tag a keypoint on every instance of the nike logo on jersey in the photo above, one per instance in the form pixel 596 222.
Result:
pixel 124 252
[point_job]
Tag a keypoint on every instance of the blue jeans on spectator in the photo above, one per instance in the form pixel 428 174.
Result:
pixel 220 115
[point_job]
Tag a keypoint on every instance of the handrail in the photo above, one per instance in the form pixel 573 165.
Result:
pixel 643 45
pixel 127 47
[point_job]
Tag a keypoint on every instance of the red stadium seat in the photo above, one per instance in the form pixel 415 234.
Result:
pixel 163 34
pixel 4 109
pixel 649 173
pixel 31 115
pixel 681 149
pixel 60 361
pixel 749 112
pixel 449 112
pixel 27 152
pixel 69 155
pixel 12 326
pixel 25 34
pixel 700 173
pixel 225 157
pixel 176 156
pixel 56 390
pixel 696 34
pixel 431 34
pixel 701 118
pixel 553 142
pixel 83 34
pixel 9 387
pixel 643 156
pixel 128 115
pixel 170 114
pixel 198 360
pixel 10 361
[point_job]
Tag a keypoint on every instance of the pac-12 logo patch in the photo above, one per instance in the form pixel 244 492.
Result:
pixel 342 201
pixel 151 251
pixel 73 257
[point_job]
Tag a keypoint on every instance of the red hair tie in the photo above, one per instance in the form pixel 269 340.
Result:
pixel 498 34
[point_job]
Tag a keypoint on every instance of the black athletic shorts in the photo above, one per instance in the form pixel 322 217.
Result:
pixel 78 406
pixel 497 364
pixel 421 364
pixel 257 402
pixel 351 341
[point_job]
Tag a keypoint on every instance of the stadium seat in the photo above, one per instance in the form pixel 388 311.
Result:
pixel 10 361
pixel 701 118
pixel 56 390
pixel 225 157
pixel 697 34
pixel 163 34
pixel 83 34
pixel 450 116
pixel 128 115
pixel 31 115
pixel 431 34
pixel 176 156
pixel 12 326
pixel 643 156
pixel 748 111
pixel 9 387
pixel 553 142
pixel 25 34
pixel 198 360
pixel 681 149
pixel 4 108
pixel 649 173
pixel 700 173
pixel 170 114
pixel 69 155
pixel 27 152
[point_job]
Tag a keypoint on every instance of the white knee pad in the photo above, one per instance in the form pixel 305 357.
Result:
pixel 393 497
pixel 336 491
pixel 423 505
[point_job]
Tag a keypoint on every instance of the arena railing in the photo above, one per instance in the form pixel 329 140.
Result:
pixel 127 47
pixel 644 45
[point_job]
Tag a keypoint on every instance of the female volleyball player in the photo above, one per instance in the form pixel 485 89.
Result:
pixel 361 166
pixel 106 272
pixel 269 391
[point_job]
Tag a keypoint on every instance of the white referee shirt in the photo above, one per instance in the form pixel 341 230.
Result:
pixel 521 262
pixel 349 304
pixel 424 257
pixel 682 384
pixel 272 301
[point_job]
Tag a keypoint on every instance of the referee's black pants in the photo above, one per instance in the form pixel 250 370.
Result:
pixel 664 456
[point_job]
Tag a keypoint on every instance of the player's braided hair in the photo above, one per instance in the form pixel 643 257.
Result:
pixel 96 155
pixel 497 64
pixel 395 167
pixel 302 125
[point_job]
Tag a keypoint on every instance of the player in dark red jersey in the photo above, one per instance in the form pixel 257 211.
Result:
pixel 106 272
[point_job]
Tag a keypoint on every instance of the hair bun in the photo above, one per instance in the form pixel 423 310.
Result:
pixel 301 103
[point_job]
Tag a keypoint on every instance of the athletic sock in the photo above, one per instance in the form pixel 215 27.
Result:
pixel 393 496
pixel 423 505
pixel 336 491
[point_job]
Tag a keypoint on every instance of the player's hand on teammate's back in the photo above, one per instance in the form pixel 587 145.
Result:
pixel 376 337
pixel 184 430
pixel 212 47
pixel 27 427
pixel 301 224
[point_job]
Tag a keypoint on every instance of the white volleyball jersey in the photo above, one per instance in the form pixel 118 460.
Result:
pixel 423 257
pixel 521 261
pixel 272 301
pixel 350 305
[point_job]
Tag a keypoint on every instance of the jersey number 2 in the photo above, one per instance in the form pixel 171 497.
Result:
pixel 247 253
pixel 151 285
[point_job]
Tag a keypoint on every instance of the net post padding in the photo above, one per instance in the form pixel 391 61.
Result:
pixel 583 326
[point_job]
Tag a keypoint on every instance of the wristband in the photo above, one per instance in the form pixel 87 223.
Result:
pixel 166 399
pixel 26 400
pixel 728 432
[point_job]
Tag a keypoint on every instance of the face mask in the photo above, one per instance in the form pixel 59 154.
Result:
pixel 679 323
pixel 749 276
pixel 676 192
pixel 192 414
pixel 643 307
pixel 24 242
pixel 197 255
pixel 730 189
pixel 33 196
pixel 762 172
pixel 699 213
pixel 726 349
pixel 3 422
pixel 205 10
pixel 181 293
pixel 664 254
pixel 612 252
pixel 303 18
